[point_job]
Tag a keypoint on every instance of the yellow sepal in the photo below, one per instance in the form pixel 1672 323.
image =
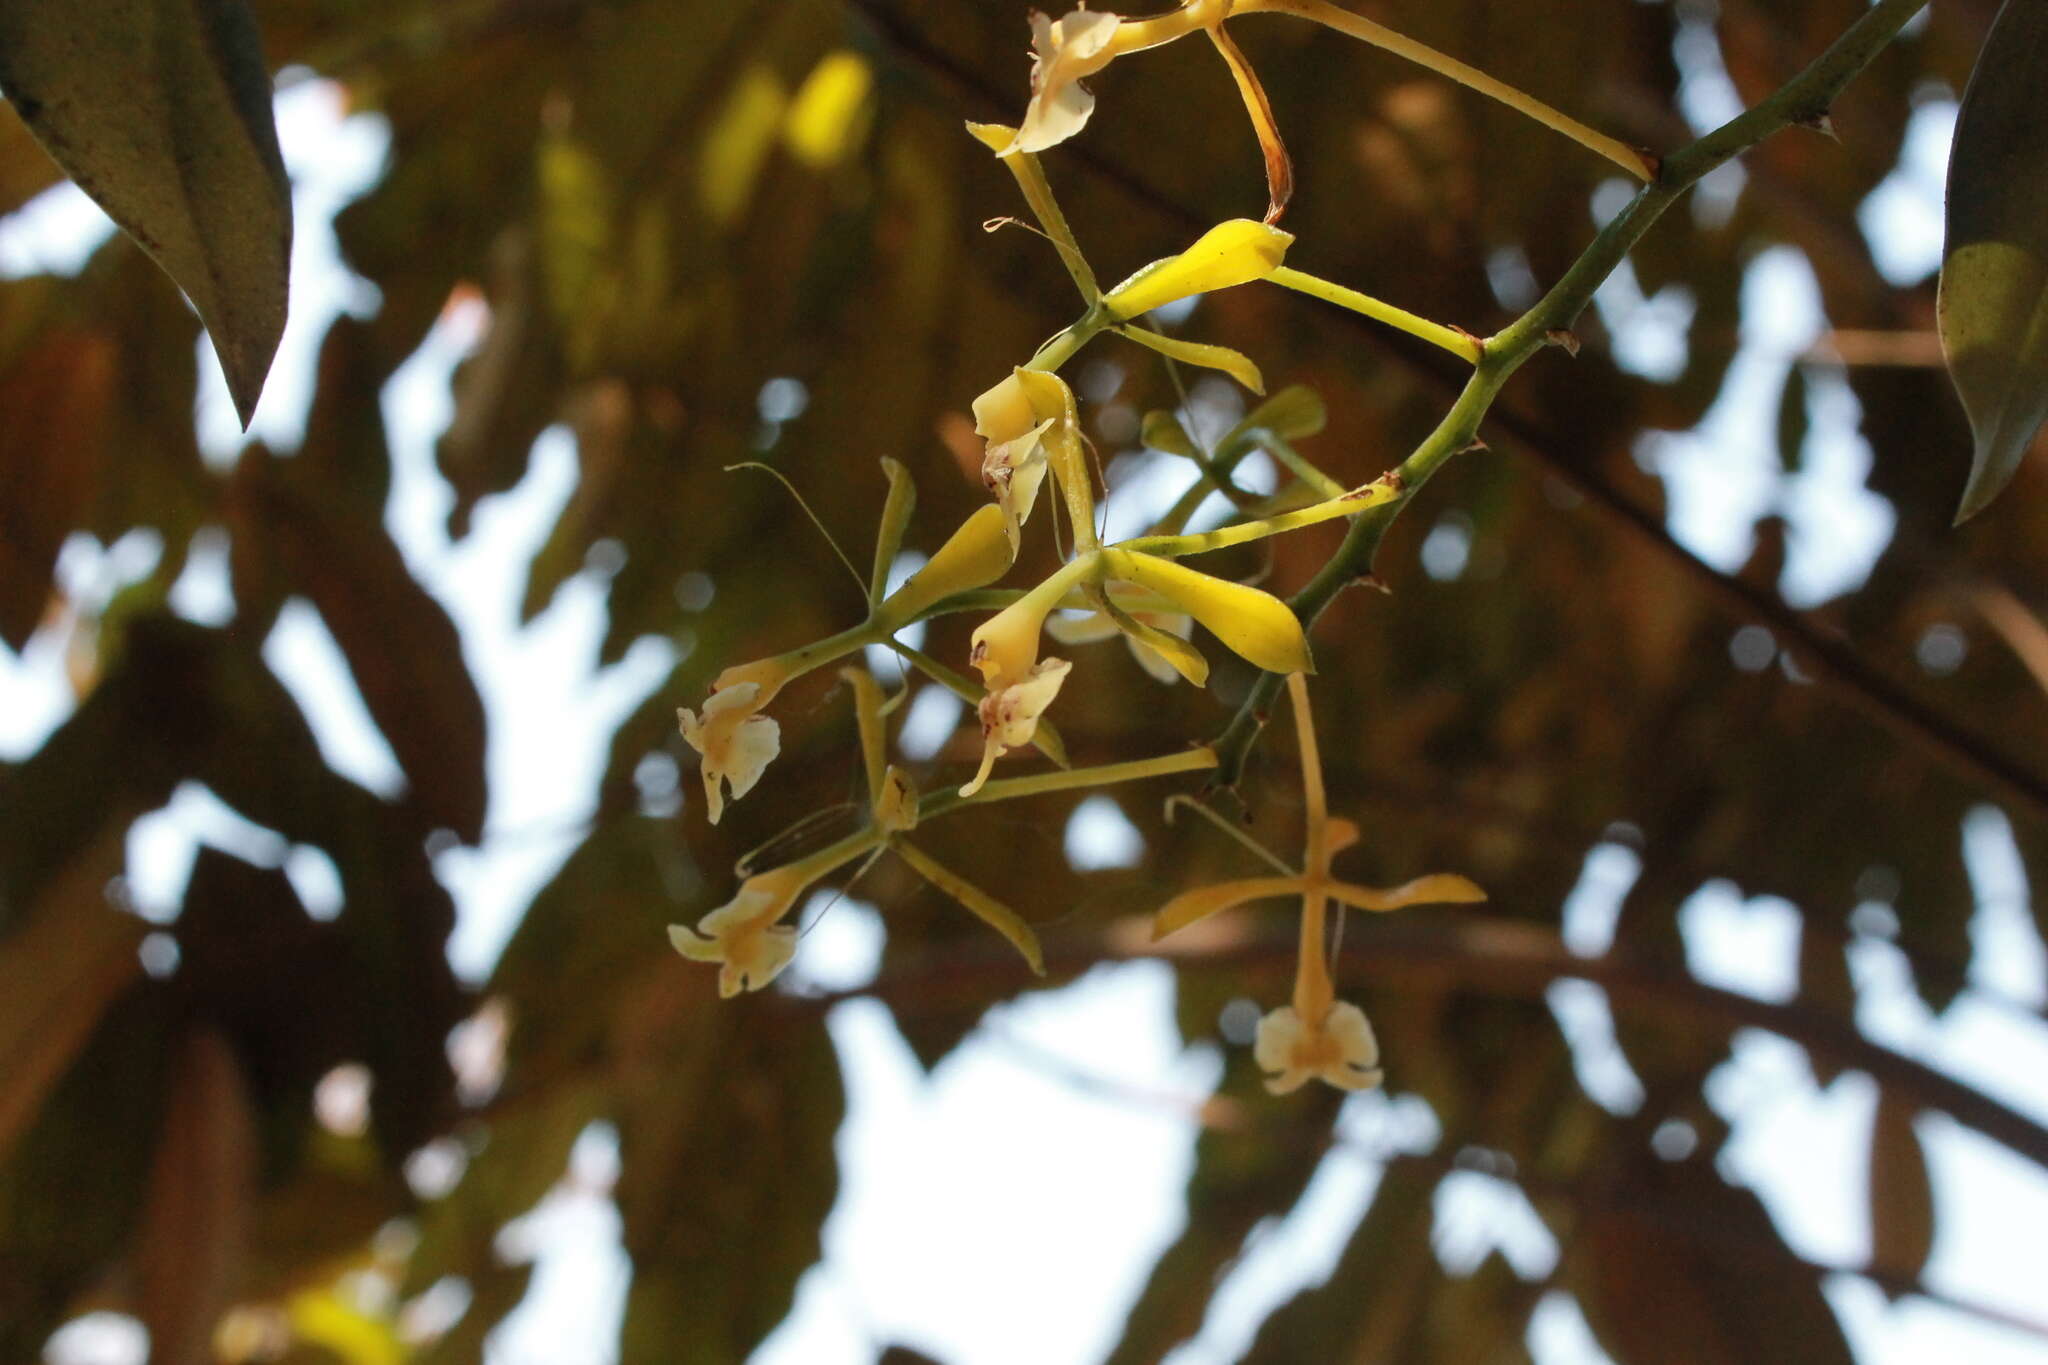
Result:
pixel 1192 907
pixel 1236 364
pixel 1254 624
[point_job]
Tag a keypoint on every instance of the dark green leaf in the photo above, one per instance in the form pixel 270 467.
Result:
pixel 160 110
pixel 195 1222
pixel 1901 1191
pixel 1994 272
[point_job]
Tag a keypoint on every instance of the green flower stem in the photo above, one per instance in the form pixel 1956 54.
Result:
pixel 818 653
pixel 1348 505
pixel 1061 348
pixel 1803 99
pixel 1038 784
pixel 1266 855
pixel 1283 451
pixel 1630 159
pixel 1135 35
pixel 1030 176
pixel 833 856
pixel 1460 344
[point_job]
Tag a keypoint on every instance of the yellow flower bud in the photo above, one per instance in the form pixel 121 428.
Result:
pixel 1236 252
pixel 974 556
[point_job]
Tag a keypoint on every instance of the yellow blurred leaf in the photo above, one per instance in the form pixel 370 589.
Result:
pixel 829 117
pixel 738 142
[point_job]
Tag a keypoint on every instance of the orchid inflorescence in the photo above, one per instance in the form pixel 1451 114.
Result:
pixel 1029 426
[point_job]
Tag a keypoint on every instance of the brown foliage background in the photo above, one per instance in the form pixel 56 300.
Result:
pixel 1574 685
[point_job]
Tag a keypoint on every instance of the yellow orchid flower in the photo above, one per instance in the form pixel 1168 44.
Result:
pixel 1062 52
pixel 745 936
pixel 1339 1049
pixel 1018 418
pixel 1317 1036
pixel 737 744
pixel 1253 623
pixel 1009 714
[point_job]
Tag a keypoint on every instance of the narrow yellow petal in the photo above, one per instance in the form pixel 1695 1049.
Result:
pixel 1192 907
pixel 1279 166
pixel 896 510
pixel 1185 658
pixel 867 713
pixel 1439 888
pixel 1254 624
pixel 994 136
pixel 978 902
pixel 1233 363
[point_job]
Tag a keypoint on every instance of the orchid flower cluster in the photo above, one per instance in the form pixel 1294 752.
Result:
pixel 1138 588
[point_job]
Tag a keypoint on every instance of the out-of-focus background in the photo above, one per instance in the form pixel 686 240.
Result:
pixel 342 809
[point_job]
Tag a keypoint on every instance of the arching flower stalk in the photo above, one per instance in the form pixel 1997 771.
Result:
pixel 1315 1036
pixel 737 742
pixel 747 938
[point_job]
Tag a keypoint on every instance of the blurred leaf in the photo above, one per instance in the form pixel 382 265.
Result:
pixel 277 985
pixel 295 529
pixel 1683 1261
pixel 57 399
pixel 161 112
pixel 1824 980
pixel 1240 1179
pixel 738 141
pixel 195 1222
pixel 830 113
pixel 1994 272
pixel 506 390
pixel 1370 1307
pixel 525 1153
pixel 577 215
pixel 60 968
pixel 324 1318
pixel 73 1186
pixel 1901 1191
pixel 717 1260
